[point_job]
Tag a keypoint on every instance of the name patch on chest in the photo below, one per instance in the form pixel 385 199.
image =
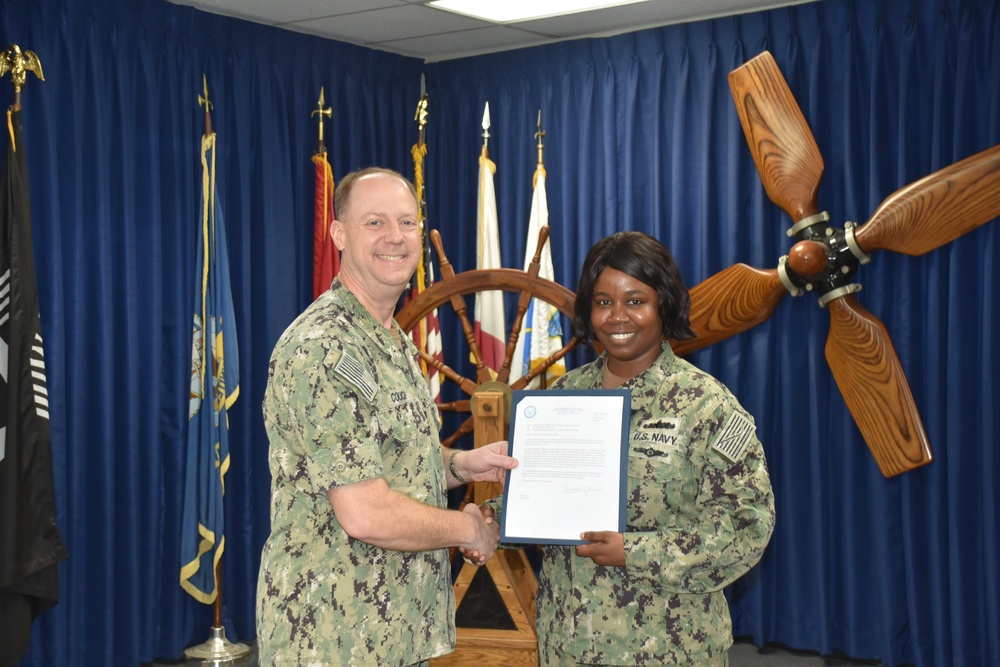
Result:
pixel 658 436
pixel 735 436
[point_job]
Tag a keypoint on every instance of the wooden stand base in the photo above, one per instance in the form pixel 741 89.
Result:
pixel 509 568
pixel 516 583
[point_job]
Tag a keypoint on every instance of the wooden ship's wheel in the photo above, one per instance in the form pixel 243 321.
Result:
pixel 452 290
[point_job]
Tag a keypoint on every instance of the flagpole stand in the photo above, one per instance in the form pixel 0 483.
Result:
pixel 217 649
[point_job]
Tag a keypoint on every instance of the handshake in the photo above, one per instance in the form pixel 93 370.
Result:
pixel 487 535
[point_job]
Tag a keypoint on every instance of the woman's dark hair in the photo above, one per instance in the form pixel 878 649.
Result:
pixel 645 259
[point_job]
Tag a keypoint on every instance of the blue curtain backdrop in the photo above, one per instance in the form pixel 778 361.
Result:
pixel 641 134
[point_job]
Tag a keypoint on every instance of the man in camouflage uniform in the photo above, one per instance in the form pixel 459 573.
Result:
pixel 355 571
pixel 700 509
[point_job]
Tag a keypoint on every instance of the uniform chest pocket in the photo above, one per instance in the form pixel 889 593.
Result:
pixel 659 471
pixel 657 453
pixel 406 419
pixel 411 457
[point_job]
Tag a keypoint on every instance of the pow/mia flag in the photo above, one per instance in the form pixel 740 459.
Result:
pixel 30 544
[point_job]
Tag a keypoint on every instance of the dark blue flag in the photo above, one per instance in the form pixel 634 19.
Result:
pixel 214 388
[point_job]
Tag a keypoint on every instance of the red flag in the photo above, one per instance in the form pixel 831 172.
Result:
pixel 326 259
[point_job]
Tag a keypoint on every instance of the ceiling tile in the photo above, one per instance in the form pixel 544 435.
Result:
pixel 450 45
pixel 382 25
pixel 277 13
pixel 411 28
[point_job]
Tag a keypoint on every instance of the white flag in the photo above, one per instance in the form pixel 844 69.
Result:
pixel 541 334
pixel 489 325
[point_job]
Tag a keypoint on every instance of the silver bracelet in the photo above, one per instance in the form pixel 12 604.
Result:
pixel 454 472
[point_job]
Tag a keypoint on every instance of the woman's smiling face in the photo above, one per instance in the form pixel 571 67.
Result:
pixel 625 314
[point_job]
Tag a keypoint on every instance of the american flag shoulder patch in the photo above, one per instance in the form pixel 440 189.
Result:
pixel 351 370
pixel 736 434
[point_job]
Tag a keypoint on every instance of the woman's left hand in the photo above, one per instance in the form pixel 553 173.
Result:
pixel 606 547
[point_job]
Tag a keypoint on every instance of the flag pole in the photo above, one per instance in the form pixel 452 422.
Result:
pixel 426 334
pixel 418 152
pixel 320 111
pixel 539 135
pixel 540 167
pixel 326 259
pixel 203 101
pixel 542 339
pixel 217 648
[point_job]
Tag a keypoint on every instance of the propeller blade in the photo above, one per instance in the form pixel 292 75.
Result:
pixel 938 208
pixel 781 142
pixel 870 377
pixel 728 303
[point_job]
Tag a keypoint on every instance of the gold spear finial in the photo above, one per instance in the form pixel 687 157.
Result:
pixel 203 101
pixel 421 114
pixel 19 64
pixel 328 112
pixel 539 135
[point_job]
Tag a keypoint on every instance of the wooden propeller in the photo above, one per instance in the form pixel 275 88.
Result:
pixel 938 208
pixel 915 219
pixel 728 303
pixel 783 147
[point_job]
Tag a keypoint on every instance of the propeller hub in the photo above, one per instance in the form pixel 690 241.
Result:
pixel 808 258
pixel 823 259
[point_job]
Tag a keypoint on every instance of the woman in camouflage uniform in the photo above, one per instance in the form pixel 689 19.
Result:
pixel 700 507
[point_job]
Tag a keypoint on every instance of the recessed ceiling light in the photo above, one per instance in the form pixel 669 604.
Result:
pixel 511 11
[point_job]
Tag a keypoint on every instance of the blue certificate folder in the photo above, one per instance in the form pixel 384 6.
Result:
pixel 568 500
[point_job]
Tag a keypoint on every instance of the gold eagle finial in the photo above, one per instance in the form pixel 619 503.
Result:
pixel 19 64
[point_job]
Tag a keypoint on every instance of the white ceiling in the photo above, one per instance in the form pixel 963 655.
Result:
pixel 412 28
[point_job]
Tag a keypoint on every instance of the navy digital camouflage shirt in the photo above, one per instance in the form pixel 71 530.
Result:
pixel 700 512
pixel 346 402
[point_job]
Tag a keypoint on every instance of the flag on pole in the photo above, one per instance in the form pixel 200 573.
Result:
pixel 30 543
pixel 541 336
pixel 489 327
pixel 326 258
pixel 427 334
pixel 431 326
pixel 214 388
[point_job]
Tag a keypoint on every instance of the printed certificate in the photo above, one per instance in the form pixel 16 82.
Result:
pixel 572 447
